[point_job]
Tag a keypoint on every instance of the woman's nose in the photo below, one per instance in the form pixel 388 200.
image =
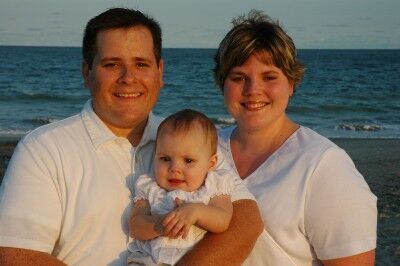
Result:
pixel 252 87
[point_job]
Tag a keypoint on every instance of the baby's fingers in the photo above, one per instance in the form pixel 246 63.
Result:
pixel 168 218
pixel 175 231
pixel 169 222
pixel 185 230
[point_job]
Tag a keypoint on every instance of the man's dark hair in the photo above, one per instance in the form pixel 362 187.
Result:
pixel 116 18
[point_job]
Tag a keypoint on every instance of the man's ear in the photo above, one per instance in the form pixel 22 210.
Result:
pixel 85 70
pixel 213 162
pixel 160 72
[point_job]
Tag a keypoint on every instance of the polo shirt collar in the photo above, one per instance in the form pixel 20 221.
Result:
pixel 100 134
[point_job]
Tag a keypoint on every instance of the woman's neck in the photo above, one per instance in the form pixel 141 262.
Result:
pixel 266 137
pixel 250 148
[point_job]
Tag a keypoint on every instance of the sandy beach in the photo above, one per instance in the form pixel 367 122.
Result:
pixel 379 162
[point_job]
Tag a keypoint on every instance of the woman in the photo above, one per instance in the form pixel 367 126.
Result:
pixel 317 208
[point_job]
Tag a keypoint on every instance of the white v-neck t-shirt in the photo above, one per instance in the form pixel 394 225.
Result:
pixel 313 201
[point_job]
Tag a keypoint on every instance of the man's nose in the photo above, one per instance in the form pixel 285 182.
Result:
pixel 127 75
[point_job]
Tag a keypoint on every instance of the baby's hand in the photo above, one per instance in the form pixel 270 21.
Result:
pixel 178 222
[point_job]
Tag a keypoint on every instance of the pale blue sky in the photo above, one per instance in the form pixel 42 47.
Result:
pixel 348 24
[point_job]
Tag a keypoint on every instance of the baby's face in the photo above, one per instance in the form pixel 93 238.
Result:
pixel 182 160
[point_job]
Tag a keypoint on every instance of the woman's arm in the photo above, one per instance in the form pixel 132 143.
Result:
pixel 363 259
pixel 214 217
pixel 143 225
pixel 18 256
pixel 232 246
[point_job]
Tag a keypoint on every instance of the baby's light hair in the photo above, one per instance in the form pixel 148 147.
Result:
pixel 181 122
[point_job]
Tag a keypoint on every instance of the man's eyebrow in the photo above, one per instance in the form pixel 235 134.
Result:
pixel 142 59
pixel 136 59
pixel 106 59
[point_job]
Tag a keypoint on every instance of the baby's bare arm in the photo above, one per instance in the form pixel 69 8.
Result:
pixel 143 225
pixel 214 217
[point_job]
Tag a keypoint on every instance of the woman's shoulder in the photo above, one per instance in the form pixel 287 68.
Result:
pixel 309 139
pixel 314 148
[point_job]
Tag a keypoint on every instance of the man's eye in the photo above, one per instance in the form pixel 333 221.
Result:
pixel 142 64
pixel 110 65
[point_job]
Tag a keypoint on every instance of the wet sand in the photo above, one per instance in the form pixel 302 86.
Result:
pixel 379 162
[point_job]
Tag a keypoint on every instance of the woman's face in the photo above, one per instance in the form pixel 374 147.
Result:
pixel 257 94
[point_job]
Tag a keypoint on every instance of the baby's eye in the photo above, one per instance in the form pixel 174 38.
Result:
pixel 164 158
pixel 189 160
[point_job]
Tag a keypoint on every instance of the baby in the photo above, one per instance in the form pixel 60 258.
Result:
pixel 186 198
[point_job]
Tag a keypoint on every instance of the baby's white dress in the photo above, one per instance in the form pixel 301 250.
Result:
pixel 163 250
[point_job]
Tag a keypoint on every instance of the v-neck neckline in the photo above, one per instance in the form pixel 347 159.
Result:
pixel 295 133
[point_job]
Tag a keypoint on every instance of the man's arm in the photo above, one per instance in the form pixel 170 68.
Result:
pixel 143 225
pixel 363 259
pixel 19 256
pixel 232 246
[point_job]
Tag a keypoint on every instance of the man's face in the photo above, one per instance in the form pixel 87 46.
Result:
pixel 125 79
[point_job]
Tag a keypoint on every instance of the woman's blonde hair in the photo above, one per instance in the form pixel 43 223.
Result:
pixel 257 34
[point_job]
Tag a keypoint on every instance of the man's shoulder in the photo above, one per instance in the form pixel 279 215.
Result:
pixel 56 130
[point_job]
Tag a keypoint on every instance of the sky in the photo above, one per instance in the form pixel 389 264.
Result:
pixel 313 24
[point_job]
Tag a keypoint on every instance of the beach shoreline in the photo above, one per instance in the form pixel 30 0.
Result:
pixel 378 160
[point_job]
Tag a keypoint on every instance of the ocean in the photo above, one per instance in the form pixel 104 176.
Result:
pixel 345 93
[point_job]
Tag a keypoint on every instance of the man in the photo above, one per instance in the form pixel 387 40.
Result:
pixel 65 197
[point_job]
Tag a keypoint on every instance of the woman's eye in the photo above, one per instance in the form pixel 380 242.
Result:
pixel 268 78
pixel 237 78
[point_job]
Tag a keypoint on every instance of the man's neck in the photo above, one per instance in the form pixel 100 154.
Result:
pixel 133 135
pixel 136 134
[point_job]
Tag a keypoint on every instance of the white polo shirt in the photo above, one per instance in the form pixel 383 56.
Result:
pixel 66 191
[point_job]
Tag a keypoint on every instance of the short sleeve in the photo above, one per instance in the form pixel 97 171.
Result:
pixel 224 168
pixel 219 184
pixel 340 209
pixel 143 187
pixel 30 202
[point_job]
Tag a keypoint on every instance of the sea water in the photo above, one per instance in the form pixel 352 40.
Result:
pixel 345 93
